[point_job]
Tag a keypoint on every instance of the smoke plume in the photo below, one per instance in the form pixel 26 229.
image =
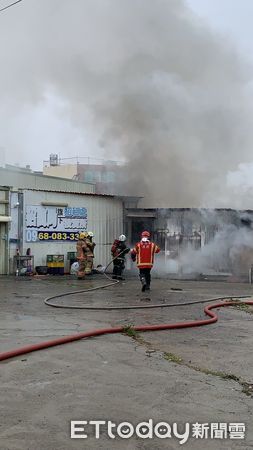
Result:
pixel 231 250
pixel 226 245
pixel 141 80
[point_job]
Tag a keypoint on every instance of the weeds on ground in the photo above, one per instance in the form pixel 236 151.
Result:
pixel 172 357
pixel 130 331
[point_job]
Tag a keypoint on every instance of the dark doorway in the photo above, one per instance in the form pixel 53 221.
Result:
pixel 139 225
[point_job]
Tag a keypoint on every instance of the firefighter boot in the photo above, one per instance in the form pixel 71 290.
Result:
pixel 143 282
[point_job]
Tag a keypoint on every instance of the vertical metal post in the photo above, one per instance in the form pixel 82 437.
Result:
pixel 250 274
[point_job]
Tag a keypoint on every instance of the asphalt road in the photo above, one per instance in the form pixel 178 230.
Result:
pixel 199 375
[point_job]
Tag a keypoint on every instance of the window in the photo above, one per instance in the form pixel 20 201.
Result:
pixel 88 176
pixel 110 177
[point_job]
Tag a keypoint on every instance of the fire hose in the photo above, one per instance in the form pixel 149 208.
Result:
pixel 121 329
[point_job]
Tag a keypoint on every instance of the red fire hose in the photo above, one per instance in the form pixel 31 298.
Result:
pixel 168 326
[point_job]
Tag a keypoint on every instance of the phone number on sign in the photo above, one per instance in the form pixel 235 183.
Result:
pixel 58 236
pixel 34 236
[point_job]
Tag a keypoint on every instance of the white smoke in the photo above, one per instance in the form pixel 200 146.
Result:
pixel 231 250
pixel 146 78
pixel 241 181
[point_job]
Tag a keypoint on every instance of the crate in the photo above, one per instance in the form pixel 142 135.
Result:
pixel 55 264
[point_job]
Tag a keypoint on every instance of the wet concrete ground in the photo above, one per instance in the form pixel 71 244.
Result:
pixel 190 375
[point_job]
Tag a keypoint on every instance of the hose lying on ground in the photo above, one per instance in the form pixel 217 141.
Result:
pixel 75 337
pixel 48 301
pixel 168 326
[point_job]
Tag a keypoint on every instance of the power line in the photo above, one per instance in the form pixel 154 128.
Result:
pixel 6 7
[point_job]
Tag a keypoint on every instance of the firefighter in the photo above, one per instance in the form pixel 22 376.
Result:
pixel 118 251
pixel 144 251
pixel 81 254
pixel 90 252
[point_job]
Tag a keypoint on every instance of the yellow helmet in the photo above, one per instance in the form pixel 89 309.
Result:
pixel 82 235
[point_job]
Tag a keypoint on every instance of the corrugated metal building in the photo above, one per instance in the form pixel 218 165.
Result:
pixel 45 215
pixel 52 221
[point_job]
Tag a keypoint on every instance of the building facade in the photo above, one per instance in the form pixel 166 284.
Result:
pixel 103 174
pixel 5 220
pixel 43 216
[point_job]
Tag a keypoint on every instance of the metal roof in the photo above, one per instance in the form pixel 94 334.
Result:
pixel 93 194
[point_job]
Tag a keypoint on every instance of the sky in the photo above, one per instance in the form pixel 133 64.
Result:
pixel 233 18
pixel 44 128
pixel 165 83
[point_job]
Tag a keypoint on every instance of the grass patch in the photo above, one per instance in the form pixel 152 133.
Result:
pixel 214 373
pixel 130 331
pixel 172 357
pixel 247 387
pixel 243 307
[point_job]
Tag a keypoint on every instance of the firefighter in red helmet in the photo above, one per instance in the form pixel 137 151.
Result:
pixel 144 252
pixel 145 234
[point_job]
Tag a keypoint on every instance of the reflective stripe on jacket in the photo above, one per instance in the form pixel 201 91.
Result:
pixel 144 252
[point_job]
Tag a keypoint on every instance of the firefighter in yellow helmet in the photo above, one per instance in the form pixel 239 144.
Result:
pixel 90 252
pixel 81 254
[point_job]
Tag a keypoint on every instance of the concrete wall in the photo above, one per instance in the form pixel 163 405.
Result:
pixel 63 171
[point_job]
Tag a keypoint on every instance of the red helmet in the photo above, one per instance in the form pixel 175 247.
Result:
pixel 145 234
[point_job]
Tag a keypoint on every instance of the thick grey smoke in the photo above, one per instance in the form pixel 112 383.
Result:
pixel 231 251
pixel 147 79
pixel 223 243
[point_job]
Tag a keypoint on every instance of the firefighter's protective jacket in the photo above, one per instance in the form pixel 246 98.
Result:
pixel 81 249
pixel 90 247
pixel 144 252
pixel 119 248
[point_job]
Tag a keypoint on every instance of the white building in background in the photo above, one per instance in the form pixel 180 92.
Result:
pixel 45 214
pixel 105 175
